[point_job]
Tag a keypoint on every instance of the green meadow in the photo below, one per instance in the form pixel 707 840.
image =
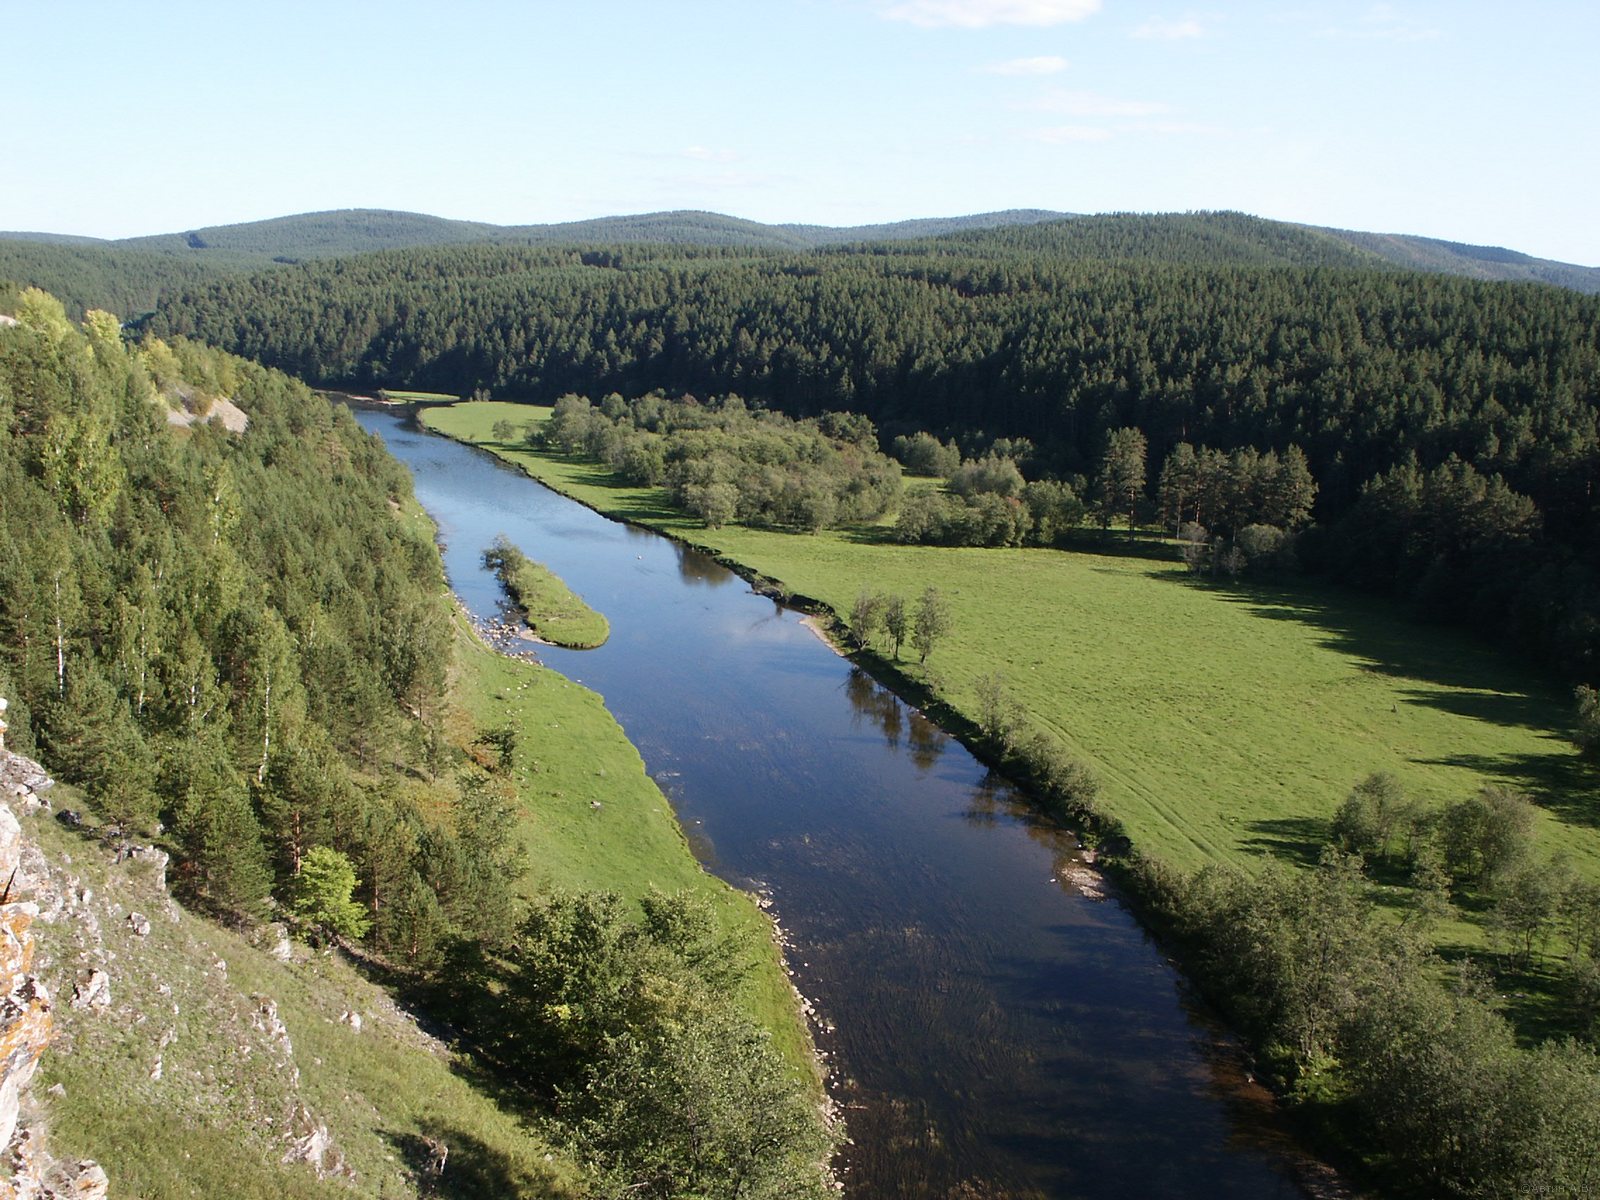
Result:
pixel 1225 722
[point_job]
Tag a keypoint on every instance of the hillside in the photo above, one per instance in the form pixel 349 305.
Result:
pixel 359 231
pixel 232 639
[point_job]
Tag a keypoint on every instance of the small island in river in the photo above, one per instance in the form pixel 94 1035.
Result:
pixel 554 612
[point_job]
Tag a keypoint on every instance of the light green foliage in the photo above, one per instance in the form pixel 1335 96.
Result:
pixel 896 622
pixel 627 1022
pixel 324 894
pixel 930 623
pixel 720 462
pixel 864 615
pixel 924 454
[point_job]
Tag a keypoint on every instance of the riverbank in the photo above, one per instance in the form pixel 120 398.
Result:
pixel 556 615
pixel 591 818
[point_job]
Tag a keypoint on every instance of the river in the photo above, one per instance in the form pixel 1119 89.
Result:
pixel 991 1026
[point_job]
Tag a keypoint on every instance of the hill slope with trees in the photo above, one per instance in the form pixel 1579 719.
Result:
pixel 233 636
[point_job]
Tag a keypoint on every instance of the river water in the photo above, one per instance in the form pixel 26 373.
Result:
pixel 991 1026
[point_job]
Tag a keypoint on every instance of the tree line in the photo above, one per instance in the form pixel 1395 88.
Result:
pixel 1406 1060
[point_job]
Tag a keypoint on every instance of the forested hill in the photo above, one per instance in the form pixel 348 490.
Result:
pixel 359 231
pixel 1361 369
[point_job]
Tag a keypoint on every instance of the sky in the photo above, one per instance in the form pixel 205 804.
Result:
pixel 1469 120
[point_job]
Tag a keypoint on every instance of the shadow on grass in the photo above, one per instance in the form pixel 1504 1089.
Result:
pixel 1563 784
pixel 1298 840
pixel 1448 670
pixel 468 1168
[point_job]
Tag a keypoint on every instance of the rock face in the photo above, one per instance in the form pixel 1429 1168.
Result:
pixel 25 1020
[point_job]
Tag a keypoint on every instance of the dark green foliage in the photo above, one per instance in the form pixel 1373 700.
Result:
pixel 1486 835
pixel 1352 1013
pixel 1586 734
pixel 623 1021
pixel 1209 329
pixel 1372 817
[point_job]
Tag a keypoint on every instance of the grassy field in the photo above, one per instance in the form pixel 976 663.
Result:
pixel 418 397
pixel 1225 721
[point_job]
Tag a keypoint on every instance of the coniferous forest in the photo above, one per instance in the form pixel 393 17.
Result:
pixel 1450 425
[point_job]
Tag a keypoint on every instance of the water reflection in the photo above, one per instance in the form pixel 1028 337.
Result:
pixel 875 705
pixel 694 567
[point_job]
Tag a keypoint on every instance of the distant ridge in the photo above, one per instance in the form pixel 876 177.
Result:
pixel 343 232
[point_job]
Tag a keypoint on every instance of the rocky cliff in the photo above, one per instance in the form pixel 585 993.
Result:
pixel 26 1024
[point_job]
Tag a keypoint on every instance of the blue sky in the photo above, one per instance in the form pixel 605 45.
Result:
pixel 1470 120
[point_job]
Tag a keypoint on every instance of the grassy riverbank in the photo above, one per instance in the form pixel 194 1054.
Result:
pixel 591 818
pixel 1226 722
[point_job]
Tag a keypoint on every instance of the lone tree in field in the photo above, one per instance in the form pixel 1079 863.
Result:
pixel 1122 475
pixel 864 614
pixel 930 622
pixel 896 622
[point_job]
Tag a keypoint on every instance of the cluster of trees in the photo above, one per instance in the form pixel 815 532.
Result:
pixel 1367 1027
pixel 721 461
pixel 231 634
pixel 1350 1006
pixel 619 1018
pixel 922 626
pixel 1479 850
pixel 987 502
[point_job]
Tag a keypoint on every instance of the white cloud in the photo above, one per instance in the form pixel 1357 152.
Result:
pixel 1060 135
pixel 708 154
pixel 1092 104
pixel 1160 29
pixel 1044 64
pixel 980 14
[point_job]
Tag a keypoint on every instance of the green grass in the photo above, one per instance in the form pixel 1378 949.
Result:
pixel 419 397
pixel 1225 722
pixel 212 1124
pixel 554 612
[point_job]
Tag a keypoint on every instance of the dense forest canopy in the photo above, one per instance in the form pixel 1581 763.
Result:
pixel 1213 330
